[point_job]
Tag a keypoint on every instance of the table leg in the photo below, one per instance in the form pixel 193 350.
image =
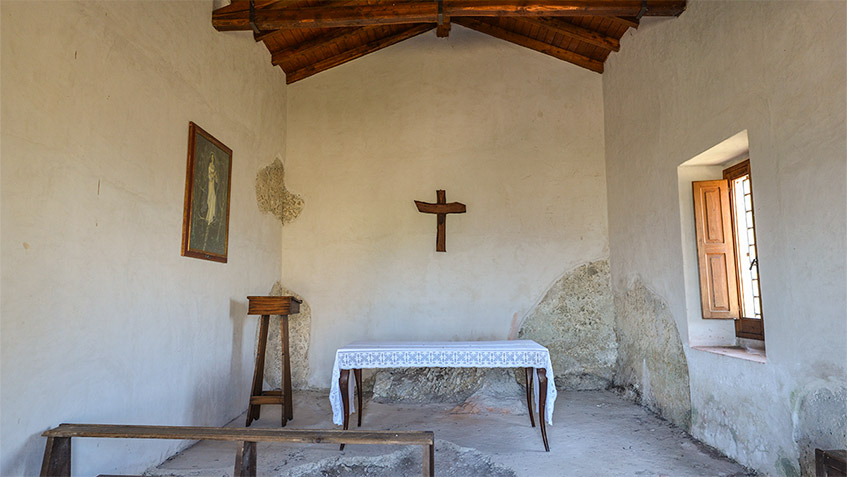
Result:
pixel 259 370
pixel 343 385
pixel 542 401
pixel 357 374
pixel 285 384
pixel 528 376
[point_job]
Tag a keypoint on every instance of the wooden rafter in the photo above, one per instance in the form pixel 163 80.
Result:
pixel 570 30
pixel 485 27
pixel 630 22
pixel 265 35
pixel 317 43
pixel 357 52
pixel 287 14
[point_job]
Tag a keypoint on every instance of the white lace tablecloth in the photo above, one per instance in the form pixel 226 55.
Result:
pixel 442 354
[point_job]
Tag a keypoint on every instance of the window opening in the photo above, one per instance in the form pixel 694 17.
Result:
pixel 750 323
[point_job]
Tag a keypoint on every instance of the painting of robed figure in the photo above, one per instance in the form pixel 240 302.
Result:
pixel 205 223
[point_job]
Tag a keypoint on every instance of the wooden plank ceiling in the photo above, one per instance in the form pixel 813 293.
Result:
pixel 306 37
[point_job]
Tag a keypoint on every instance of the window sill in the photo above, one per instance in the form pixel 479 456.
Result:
pixel 749 354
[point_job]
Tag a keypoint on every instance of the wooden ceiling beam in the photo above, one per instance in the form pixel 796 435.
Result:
pixel 575 32
pixel 531 43
pixel 285 14
pixel 271 4
pixel 563 8
pixel 324 16
pixel 321 41
pixel 358 52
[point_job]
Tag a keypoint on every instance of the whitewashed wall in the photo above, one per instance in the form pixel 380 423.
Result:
pixel 680 86
pixel 514 134
pixel 102 319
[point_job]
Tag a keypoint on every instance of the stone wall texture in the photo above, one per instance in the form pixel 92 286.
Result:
pixel 420 385
pixel 299 329
pixel 650 360
pixel 273 197
pixel 575 320
pixel 820 420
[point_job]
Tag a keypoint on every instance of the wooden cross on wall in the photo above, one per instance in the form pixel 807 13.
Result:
pixel 441 208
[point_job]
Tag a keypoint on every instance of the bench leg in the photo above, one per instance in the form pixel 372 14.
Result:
pixel 344 386
pixel 357 374
pixel 542 404
pixel 57 457
pixel 528 376
pixel 245 460
pixel 429 460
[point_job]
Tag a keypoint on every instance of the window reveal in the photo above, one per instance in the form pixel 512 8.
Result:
pixel 726 251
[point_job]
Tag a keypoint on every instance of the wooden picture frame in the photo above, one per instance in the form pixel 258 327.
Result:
pixel 205 218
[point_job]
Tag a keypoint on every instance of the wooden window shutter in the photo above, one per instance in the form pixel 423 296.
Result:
pixel 715 250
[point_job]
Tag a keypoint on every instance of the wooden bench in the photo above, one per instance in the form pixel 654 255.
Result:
pixel 830 463
pixel 57 453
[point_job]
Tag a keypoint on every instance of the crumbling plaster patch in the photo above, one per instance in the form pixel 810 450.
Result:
pixel 651 361
pixel 272 195
pixel 299 329
pixel 575 320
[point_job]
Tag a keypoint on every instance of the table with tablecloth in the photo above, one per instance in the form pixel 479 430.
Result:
pixel 527 354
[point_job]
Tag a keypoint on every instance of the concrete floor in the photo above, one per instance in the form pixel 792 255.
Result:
pixel 595 433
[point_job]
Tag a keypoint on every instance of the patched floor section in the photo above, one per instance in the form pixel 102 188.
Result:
pixel 450 460
pixel 594 433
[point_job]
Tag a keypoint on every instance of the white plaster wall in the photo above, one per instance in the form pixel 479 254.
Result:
pixel 680 86
pixel 102 320
pixel 514 134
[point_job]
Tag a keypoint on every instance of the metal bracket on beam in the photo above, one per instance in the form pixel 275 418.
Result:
pixel 637 17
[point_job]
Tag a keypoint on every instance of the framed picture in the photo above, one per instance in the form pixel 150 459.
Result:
pixel 205 219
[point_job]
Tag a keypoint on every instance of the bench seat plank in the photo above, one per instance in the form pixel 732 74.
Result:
pixel 314 436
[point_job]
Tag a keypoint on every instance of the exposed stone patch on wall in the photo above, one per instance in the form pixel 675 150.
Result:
pixel 499 393
pixel 650 360
pixel 421 385
pixel 299 328
pixel 575 320
pixel 820 420
pixel 273 197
